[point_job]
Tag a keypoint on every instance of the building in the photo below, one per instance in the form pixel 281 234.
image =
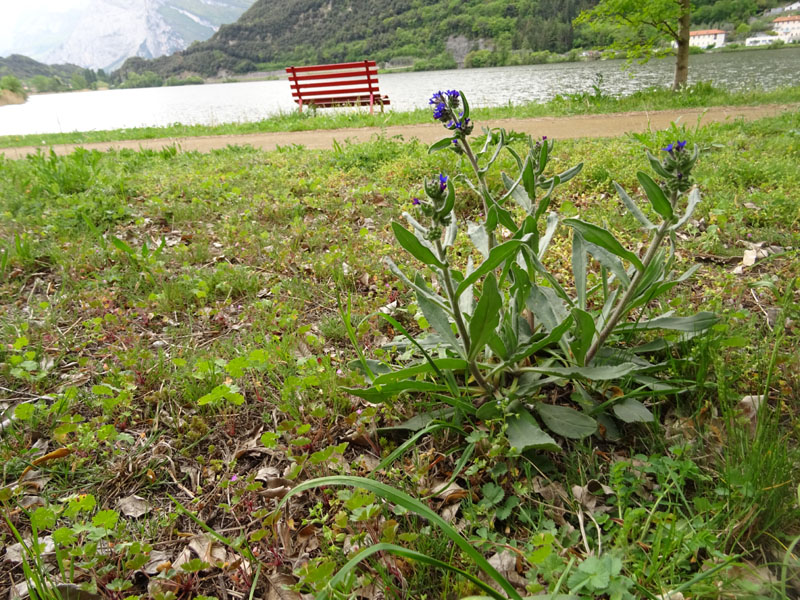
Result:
pixel 761 39
pixel 707 38
pixel 788 28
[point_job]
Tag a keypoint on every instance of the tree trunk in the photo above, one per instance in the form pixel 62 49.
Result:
pixel 682 59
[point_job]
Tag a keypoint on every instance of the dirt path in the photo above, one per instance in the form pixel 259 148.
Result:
pixel 608 125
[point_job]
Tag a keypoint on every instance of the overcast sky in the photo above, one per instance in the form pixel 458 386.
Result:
pixel 12 12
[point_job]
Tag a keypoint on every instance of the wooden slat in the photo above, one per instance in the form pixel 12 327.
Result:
pixel 343 75
pixel 364 90
pixel 333 67
pixel 344 85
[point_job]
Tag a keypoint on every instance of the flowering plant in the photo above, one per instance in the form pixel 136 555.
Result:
pixel 505 330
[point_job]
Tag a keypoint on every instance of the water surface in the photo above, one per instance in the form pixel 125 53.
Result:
pixel 213 104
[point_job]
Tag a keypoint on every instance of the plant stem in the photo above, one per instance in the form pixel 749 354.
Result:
pixel 482 184
pixel 622 306
pixel 458 316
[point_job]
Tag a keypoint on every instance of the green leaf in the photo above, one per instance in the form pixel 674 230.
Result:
pixel 699 322
pixel 630 410
pixel 444 364
pixel 390 390
pixel 441 145
pixel 43 518
pixel 655 194
pixel 546 306
pixel 341 575
pixel 518 193
pixel 579 269
pixel 570 173
pixel 106 518
pixel 524 433
pixel 603 238
pixel 601 373
pixel 694 200
pixel 657 166
pixel 492 494
pixel 465 104
pixel 486 317
pixel 440 321
pixel 24 411
pixel 405 501
pixel 498 254
pixel 566 421
pixel 413 246
pixel 584 333
pixel 480 237
pixel 632 208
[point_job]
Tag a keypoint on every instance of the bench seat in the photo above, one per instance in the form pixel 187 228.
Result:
pixel 342 84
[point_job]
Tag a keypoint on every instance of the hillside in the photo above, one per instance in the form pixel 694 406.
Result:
pixel 25 68
pixel 425 34
pixel 436 33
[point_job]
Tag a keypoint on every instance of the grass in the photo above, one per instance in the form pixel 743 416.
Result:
pixel 697 96
pixel 207 370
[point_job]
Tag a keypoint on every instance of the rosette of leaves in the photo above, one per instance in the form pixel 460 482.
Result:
pixel 506 336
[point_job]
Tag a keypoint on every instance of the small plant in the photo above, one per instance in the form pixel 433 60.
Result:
pixel 505 329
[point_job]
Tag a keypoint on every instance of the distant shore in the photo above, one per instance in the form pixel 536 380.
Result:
pixel 9 97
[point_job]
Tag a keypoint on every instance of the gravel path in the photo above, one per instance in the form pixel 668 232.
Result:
pixel 608 125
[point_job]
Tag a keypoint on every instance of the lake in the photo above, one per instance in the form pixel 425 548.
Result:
pixel 213 104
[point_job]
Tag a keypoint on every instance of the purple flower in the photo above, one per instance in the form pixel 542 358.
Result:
pixel 234 477
pixel 437 98
pixel 681 145
pixel 462 124
pixel 454 94
pixel 669 148
pixel 442 182
pixel 439 111
pixel 416 202
pixel 544 138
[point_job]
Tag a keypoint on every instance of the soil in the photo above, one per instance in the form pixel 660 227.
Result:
pixel 608 125
pixel 9 97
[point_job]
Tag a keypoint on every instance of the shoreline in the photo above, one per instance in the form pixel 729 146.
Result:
pixel 570 127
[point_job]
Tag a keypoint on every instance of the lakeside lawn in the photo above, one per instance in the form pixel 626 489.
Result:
pixel 696 96
pixel 171 335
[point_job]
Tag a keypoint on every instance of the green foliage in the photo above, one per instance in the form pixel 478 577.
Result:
pixel 524 332
pixel 12 84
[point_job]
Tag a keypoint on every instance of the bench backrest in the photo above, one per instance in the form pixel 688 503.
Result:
pixel 328 81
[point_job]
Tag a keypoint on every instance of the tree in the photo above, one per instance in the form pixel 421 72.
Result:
pixel 12 84
pixel 668 19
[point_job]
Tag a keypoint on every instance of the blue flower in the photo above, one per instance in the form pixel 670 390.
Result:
pixel 462 124
pixel 442 182
pixel 416 202
pixel 669 148
pixel 437 98
pixel 454 94
pixel 439 111
pixel 681 145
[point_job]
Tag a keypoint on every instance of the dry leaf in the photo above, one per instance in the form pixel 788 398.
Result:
pixel 134 506
pixel 15 553
pixel 59 453
pixel 277 587
pixel 208 550
pixel 155 565
pixel 507 564
pixel 589 494
pixel 449 492
pixel 749 407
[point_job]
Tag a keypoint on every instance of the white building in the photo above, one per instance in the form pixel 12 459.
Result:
pixel 761 39
pixel 707 38
pixel 788 28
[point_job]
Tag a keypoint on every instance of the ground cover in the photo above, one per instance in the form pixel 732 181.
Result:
pixel 171 336
pixel 598 101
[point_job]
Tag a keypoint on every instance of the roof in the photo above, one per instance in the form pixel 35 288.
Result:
pixel 707 32
pixel 786 19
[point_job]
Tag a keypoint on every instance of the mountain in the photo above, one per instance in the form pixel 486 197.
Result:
pixel 438 33
pixel 25 68
pixel 103 33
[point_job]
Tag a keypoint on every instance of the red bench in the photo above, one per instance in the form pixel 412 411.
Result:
pixel 343 84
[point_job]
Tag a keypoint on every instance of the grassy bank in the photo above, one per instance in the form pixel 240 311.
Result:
pixel 169 329
pixel 597 102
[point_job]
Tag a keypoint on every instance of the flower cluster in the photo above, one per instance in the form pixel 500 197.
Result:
pixel 438 205
pixel 446 109
pixel 677 166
